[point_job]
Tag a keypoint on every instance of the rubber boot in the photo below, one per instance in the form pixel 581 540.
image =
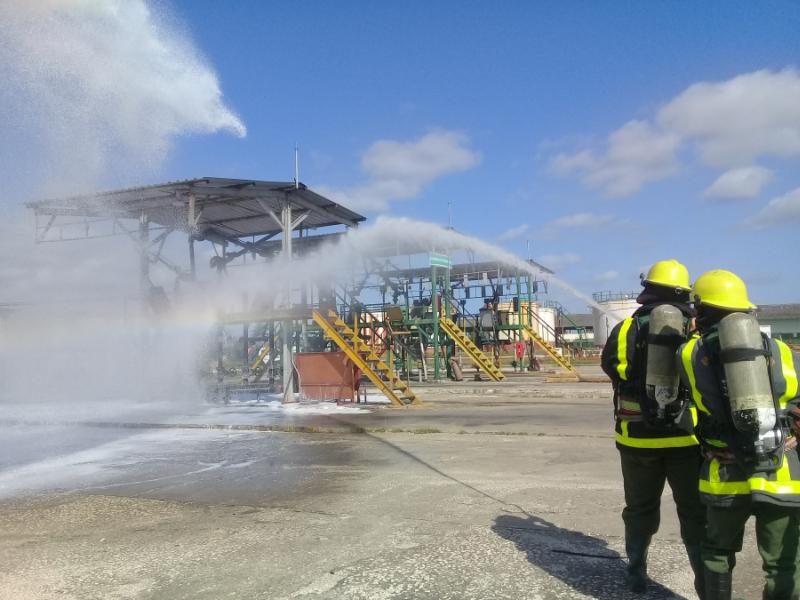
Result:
pixel 696 561
pixel 717 585
pixel 636 575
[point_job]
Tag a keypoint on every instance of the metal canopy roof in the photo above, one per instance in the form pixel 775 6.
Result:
pixel 209 207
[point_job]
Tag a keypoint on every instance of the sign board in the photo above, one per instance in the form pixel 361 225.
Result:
pixel 439 260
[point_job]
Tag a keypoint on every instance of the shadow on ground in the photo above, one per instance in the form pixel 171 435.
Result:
pixel 583 562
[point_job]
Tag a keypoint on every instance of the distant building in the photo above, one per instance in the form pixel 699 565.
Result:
pixel 782 319
pixel 578 327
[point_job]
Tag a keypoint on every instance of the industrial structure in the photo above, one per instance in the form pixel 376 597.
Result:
pixel 382 323
pixel 616 307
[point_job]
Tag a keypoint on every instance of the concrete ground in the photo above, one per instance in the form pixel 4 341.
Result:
pixel 507 490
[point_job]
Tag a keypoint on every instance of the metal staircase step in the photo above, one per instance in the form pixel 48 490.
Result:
pixel 550 350
pixel 336 330
pixel 475 354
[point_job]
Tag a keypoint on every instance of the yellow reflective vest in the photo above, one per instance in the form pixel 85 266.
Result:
pixel 622 360
pixel 733 484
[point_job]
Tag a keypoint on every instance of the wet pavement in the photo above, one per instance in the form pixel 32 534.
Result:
pixel 480 495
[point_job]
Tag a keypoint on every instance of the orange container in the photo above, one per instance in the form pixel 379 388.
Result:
pixel 327 376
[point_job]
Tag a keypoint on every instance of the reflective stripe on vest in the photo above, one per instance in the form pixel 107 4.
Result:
pixel 632 406
pixel 789 373
pixel 682 441
pixel 783 483
pixel 622 349
pixel 686 358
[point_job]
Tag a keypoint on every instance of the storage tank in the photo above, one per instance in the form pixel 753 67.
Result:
pixel 548 326
pixel 616 306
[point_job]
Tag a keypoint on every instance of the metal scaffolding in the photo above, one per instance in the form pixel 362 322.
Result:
pixel 392 317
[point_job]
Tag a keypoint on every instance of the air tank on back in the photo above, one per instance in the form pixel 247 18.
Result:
pixel 747 375
pixel 666 333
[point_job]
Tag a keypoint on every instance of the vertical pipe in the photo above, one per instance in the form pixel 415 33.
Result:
pixel 520 336
pixel 287 326
pixel 519 308
pixel 435 312
pixel 408 328
pixel 191 223
pixel 144 257
pixel 245 355
pixel 192 264
pixel 529 319
pixel 448 311
pixel 272 353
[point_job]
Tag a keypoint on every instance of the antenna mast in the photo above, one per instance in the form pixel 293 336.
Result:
pixel 296 167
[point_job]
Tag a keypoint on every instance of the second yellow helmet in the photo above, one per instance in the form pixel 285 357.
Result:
pixel 669 273
pixel 722 289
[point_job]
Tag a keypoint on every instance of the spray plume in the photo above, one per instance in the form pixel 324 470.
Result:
pixel 92 88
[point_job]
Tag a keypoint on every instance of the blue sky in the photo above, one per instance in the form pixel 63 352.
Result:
pixel 521 82
pixel 595 131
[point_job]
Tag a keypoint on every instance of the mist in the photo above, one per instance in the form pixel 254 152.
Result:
pixel 94 95
pixel 97 92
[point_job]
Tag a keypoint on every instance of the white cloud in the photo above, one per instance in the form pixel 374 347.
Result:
pixel 400 170
pixel 583 220
pixel 635 154
pixel 744 182
pixel 558 262
pixel 729 124
pixel 513 233
pixel 734 122
pixel 780 210
pixel 577 220
pixel 605 277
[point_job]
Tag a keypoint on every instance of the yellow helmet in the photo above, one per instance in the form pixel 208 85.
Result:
pixel 722 289
pixel 669 273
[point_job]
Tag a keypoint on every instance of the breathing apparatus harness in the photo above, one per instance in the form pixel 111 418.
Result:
pixel 655 382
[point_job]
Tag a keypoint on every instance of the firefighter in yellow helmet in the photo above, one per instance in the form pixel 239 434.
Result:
pixel 654 425
pixel 744 385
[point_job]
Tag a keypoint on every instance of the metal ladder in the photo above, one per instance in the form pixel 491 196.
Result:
pixel 468 346
pixel 562 361
pixel 376 370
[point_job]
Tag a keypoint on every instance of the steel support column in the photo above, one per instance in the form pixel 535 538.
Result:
pixel 192 264
pixel 435 313
pixel 287 363
pixel 144 256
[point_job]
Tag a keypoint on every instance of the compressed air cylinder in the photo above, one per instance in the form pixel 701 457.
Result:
pixel 749 389
pixel 666 334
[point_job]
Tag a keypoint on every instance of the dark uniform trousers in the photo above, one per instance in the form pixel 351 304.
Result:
pixel 777 537
pixel 645 473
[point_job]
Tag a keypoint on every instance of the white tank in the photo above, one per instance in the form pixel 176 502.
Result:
pixel 548 316
pixel 614 311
